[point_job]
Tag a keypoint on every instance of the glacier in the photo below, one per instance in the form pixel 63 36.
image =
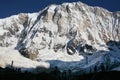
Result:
pixel 71 36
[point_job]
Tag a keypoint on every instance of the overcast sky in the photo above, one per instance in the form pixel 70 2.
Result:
pixel 12 7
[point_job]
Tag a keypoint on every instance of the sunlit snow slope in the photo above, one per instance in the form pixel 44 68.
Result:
pixel 70 36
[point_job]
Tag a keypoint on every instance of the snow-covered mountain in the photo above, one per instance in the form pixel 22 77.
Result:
pixel 70 36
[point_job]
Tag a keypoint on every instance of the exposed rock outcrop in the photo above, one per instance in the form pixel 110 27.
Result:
pixel 66 32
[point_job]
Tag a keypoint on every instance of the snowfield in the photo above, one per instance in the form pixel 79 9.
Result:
pixel 70 36
pixel 9 55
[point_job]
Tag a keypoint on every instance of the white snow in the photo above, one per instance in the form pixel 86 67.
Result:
pixel 7 55
pixel 65 27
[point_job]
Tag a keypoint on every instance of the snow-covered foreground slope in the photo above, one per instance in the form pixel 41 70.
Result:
pixel 9 55
pixel 70 36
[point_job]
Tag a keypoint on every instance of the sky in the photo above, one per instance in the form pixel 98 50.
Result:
pixel 13 7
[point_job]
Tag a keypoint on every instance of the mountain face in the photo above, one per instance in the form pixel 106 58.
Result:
pixel 69 36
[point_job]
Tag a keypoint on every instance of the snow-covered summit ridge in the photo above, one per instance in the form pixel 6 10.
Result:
pixel 93 25
pixel 63 32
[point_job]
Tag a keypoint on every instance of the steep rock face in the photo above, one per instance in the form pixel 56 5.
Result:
pixel 68 28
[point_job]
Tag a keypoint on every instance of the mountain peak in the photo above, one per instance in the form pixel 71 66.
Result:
pixel 66 32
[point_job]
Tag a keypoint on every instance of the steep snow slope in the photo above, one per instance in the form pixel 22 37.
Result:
pixel 70 35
